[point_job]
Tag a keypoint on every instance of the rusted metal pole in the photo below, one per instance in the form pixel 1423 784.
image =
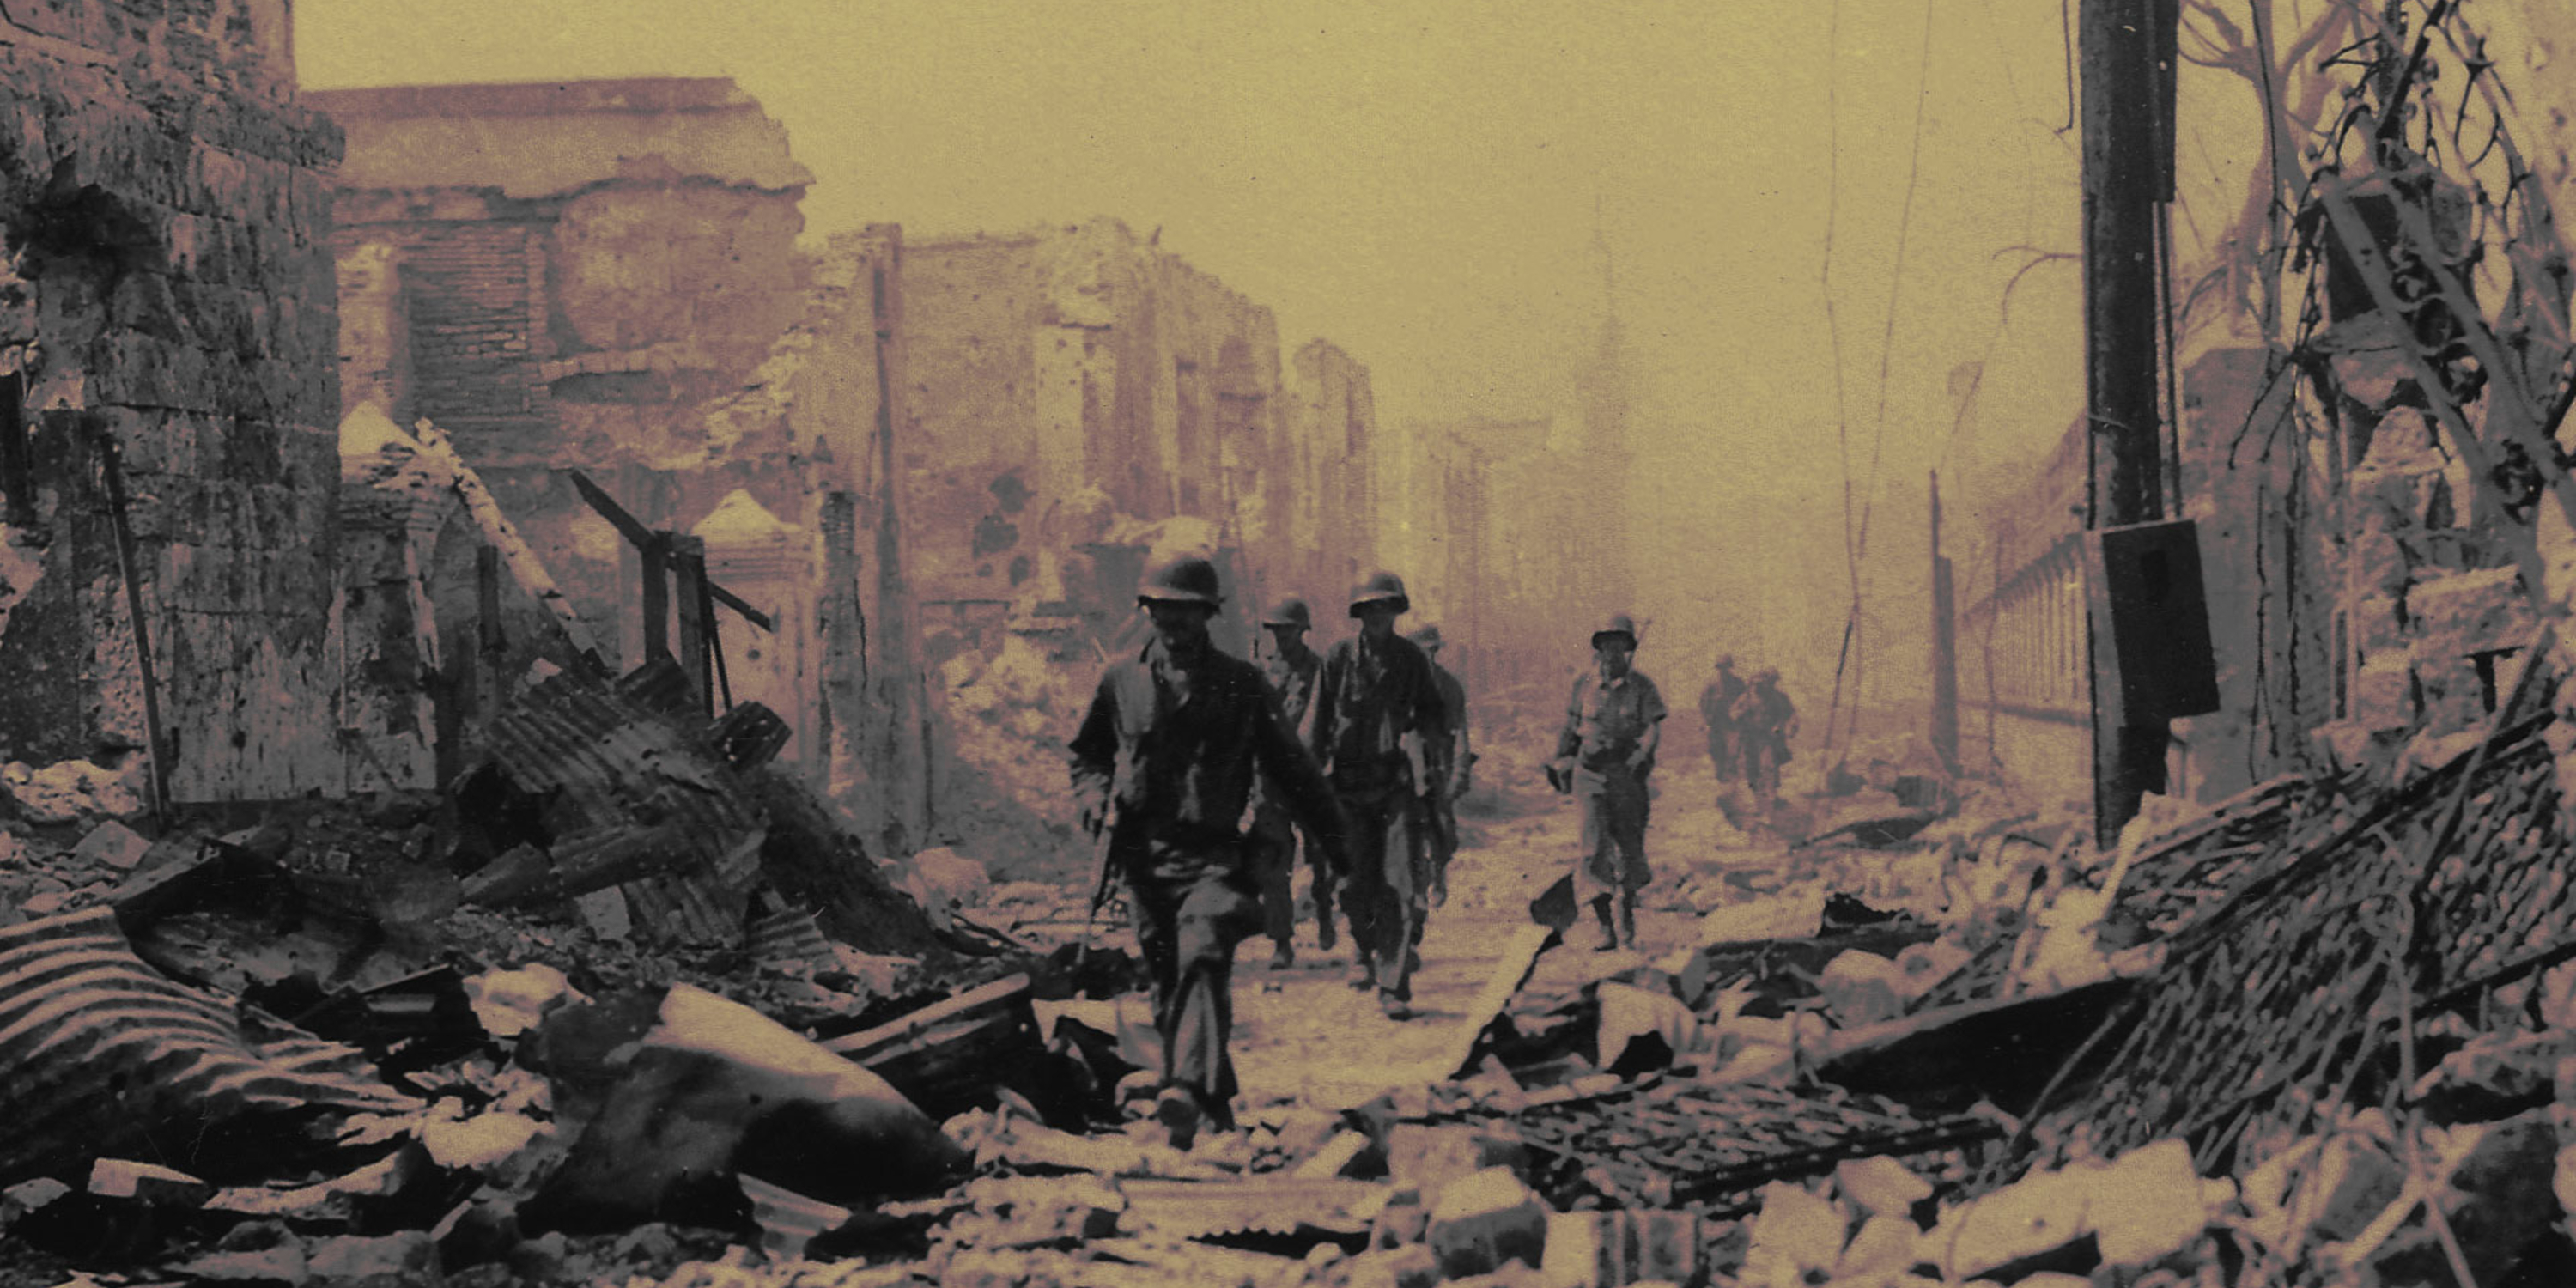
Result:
pixel 2125 176
pixel 689 558
pixel 128 568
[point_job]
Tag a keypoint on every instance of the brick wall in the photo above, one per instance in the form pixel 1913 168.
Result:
pixel 167 292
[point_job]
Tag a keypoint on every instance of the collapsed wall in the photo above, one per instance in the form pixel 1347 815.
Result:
pixel 166 386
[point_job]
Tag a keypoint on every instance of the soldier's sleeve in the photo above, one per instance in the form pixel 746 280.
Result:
pixel 1569 740
pixel 1095 749
pixel 1430 706
pixel 1326 704
pixel 1299 780
pixel 1652 708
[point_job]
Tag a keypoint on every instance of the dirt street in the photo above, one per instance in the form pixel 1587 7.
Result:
pixel 1302 1030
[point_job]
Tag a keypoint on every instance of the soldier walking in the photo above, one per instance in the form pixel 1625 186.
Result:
pixel 1292 670
pixel 1613 721
pixel 1766 720
pixel 1162 767
pixel 1717 707
pixel 1451 763
pixel 1377 713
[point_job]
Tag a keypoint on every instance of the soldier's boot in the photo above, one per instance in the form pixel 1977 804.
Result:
pixel 1282 955
pixel 1606 938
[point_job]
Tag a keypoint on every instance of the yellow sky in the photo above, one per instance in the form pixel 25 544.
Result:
pixel 1418 182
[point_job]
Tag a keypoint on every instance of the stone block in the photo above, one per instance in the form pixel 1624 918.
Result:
pixel 2383 693
pixel 1429 1157
pixel 1484 1220
pixel 2460 614
pixel 112 844
pixel 2452 693
pixel 2378 625
pixel 1411 1266
pixel 407 1257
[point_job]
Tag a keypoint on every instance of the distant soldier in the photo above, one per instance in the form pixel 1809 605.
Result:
pixel 1452 764
pixel 1765 720
pixel 1292 670
pixel 1613 721
pixel 1163 765
pixel 1377 712
pixel 1717 707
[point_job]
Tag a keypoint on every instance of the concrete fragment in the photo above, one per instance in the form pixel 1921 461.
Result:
pixel 1336 1156
pixel 2471 612
pixel 1410 1266
pixel 605 912
pixel 1428 1157
pixel 124 1178
pixel 253 1252
pixel 1485 1220
pixel 72 790
pixel 511 1002
pixel 1881 1185
pixel 1884 1245
pixel 2147 1203
pixel 405 1257
pixel 2383 693
pixel 1796 1232
pixel 112 844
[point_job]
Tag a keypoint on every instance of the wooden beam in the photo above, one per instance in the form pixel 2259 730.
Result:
pixel 689 559
pixel 582 652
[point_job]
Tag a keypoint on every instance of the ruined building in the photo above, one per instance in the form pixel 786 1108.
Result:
pixel 166 399
pixel 1079 398
pixel 904 455
pixel 2378 341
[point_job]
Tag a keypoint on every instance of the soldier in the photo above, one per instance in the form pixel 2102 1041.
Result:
pixel 1766 720
pixel 1162 768
pixel 1613 721
pixel 1452 764
pixel 1377 713
pixel 1292 670
pixel 1717 707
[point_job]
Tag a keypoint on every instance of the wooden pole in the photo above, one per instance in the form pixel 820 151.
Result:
pixel 656 554
pixel 689 557
pixel 2125 176
pixel 1945 649
pixel 568 628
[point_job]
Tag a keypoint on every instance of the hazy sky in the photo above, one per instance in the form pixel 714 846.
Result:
pixel 1419 183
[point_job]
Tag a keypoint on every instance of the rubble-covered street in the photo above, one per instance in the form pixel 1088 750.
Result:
pixel 1344 644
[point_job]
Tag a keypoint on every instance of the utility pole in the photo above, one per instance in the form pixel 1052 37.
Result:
pixel 1945 649
pixel 2127 51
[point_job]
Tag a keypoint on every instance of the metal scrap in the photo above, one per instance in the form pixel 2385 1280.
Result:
pixel 102 1053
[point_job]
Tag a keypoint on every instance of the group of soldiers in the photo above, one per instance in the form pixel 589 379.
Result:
pixel 1750 724
pixel 1196 773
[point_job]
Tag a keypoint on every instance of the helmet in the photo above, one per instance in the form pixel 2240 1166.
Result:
pixel 1427 637
pixel 1186 580
pixel 1379 587
pixel 1726 661
pixel 1767 675
pixel 1290 610
pixel 1616 624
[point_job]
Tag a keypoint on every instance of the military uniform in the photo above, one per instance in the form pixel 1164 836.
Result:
pixel 1169 750
pixel 1377 708
pixel 1766 720
pixel 1292 678
pixel 1605 755
pixel 1725 740
pixel 1450 763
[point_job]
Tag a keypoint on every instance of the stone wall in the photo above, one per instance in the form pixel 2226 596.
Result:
pixel 167 291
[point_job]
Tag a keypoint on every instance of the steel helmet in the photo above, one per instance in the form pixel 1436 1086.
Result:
pixel 1427 637
pixel 1186 580
pixel 1726 661
pixel 1380 587
pixel 1767 675
pixel 1616 624
pixel 1289 610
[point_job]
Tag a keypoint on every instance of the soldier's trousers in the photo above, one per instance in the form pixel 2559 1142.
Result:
pixel 1613 857
pixel 1386 889
pixel 1274 859
pixel 1190 914
pixel 1725 755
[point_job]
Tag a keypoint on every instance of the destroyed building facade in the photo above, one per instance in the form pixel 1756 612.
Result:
pixel 166 397
pixel 899 453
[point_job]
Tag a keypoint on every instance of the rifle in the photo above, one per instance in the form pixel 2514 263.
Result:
pixel 1102 878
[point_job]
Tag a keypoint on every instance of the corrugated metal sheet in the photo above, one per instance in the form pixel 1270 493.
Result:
pixel 97 1049
pixel 620 765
